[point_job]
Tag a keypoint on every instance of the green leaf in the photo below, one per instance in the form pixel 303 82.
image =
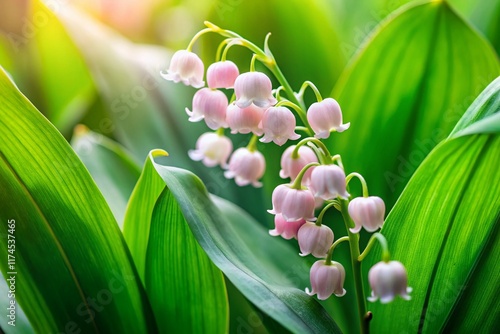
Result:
pixel 47 66
pixel 74 270
pixel 187 291
pixel 111 167
pixel 234 242
pixel 406 90
pixel 444 228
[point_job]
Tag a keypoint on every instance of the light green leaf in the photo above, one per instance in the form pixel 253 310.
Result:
pixel 111 167
pixel 406 90
pixel 47 66
pixel 187 291
pixel 234 242
pixel 74 270
pixel 444 228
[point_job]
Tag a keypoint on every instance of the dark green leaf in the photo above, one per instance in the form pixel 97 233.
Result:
pixel 74 270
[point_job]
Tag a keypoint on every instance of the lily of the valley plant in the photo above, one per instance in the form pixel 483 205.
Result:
pixel 317 179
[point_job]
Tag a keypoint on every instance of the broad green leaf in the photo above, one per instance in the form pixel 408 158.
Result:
pixel 111 167
pixel 187 291
pixel 74 270
pixel 406 90
pixel 46 64
pixel 97 153
pixel 252 260
pixel 444 228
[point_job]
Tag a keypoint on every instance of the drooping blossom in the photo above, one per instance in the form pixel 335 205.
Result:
pixel 293 204
pixel 387 280
pixel 244 120
pixel 327 279
pixel 222 74
pixel 185 67
pixel 325 117
pixel 278 124
pixel 246 167
pixel 291 167
pixel 210 105
pixel 287 230
pixel 328 182
pixel 314 239
pixel 367 212
pixel 254 87
pixel 212 149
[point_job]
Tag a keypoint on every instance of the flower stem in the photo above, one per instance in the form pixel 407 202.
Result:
pixel 315 89
pixel 356 268
pixel 195 38
pixel 297 183
pixel 361 179
pixel 329 255
pixel 386 256
pixel 252 145
pixel 324 210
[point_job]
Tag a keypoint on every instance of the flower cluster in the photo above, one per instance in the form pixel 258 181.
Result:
pixel 317 179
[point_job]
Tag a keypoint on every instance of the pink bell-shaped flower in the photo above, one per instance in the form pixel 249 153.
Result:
pixel 387 280
pixel 244 120
pixel 212 149
pixel 278 124
pixel 291 167
pixel 254 87
pixel 222 74
pixel 367 212
pixel 328 182
pixel 327 279
pixel 314 239
pixel 288 230
pixel 185 67
pixel 324 117
pixel 210 105
pixel 293 204
pixel 246 167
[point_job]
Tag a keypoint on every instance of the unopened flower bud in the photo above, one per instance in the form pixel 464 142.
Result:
pixel 210 105
pixel 293 204
pixel 328 182
pixel 254 87
pixel 327 279
pixel 291 167
pixel 278 124
pixel 314 239
pixel 246 167
pixel 212 149
pixel 324 117
pixel 244 120
pixel 222 74
pixel 387 280
pixel 367 212
pixel 287 230
pixel 185 67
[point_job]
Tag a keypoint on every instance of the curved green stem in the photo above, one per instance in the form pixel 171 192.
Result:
pixel 195 38
pixel 297 183
pixel 356 268
pixel 329 255
pixel 315 89
pixel 361 179
pixel 386 256
pixel 252 63
pixel 323 211
pixel 317 142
